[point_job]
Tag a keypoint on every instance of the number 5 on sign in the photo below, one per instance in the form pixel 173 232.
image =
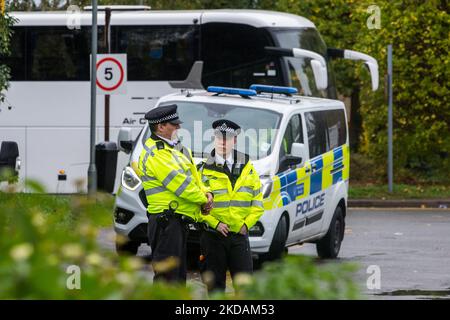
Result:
pixel 111 73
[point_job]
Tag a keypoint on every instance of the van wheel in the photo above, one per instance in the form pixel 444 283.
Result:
pixel 127 248
pixel 328 247
pixel 278 245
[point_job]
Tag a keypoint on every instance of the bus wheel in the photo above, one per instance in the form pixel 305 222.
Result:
pixel 127 248
pixel 328 247
pixel 278 245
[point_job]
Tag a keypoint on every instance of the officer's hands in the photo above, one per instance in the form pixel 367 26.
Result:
pixel 243 230
pixel 223 229
pixel 207 207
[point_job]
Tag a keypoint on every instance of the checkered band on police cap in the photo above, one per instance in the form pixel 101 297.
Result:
pixel 164 119
pixel 226 127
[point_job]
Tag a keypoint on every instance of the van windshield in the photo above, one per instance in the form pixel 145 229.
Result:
pixel 258 127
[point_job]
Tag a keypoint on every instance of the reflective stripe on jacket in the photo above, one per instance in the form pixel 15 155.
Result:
pixel 168 174
pixel 236 205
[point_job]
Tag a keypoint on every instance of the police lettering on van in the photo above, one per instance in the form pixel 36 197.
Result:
pixel 310 204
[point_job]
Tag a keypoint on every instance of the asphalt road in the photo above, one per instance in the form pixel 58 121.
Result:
pixel 409 249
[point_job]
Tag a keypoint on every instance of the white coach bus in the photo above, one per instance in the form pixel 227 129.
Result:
pixel 47 107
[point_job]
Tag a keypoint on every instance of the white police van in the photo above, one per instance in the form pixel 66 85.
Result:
pixel 299 146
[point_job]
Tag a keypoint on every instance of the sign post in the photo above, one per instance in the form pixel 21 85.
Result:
pixel 108 50
pixel 111 71
pixel 390 151
pixel 92 170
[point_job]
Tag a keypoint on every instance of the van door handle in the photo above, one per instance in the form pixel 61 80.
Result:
pixel 337 169
pixel 313 167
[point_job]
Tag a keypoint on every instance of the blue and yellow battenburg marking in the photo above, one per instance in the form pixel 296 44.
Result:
pixel 330 168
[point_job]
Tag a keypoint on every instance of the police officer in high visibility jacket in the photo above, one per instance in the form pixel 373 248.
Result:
pixel 230 175
pixel 169 176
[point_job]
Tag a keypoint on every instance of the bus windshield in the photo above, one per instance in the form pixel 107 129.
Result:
pixel 299 70
pixel 258 127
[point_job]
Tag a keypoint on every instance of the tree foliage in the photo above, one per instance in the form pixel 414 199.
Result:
pixel 419 32
pixel 5 36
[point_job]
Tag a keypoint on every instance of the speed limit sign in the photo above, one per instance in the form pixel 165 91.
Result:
pixel 111 73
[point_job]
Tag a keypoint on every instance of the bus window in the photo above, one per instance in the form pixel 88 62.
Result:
pixel 299 70
pixel 58 54
pixel 234 55
pixel 16 60
pixel 157 52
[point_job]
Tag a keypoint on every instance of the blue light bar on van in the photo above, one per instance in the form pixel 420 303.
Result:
pixel 238 91
pixel 273 89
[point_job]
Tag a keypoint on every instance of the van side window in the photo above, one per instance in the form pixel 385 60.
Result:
pixel 337 129
pixel 294 133
pixel 316 125
pixel 326 130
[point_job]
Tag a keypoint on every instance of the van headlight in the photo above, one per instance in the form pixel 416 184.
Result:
pixel 257 230
pixel 130 180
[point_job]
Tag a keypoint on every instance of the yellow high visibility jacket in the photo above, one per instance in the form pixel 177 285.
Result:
pixel 233 205
pixel 169 173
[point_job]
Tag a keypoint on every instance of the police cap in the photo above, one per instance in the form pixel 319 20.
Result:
pixel 226 127
pixel 163 114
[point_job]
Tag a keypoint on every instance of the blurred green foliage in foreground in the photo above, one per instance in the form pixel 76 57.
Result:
pixel 45 240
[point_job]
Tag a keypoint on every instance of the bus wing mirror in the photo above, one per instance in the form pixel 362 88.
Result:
pixel 125 140
pixel 320 75
pixel 318 65
pixel 369 61
pixel 193 80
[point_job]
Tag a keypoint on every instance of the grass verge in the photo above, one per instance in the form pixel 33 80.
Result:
pixel 400 191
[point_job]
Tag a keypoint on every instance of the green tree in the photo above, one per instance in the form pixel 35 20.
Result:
pixel 21 5
pixel 419 32
pixel 334 21
pixel 6 22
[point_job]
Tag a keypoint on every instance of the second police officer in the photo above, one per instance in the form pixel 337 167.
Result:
pixel 170 177
pixel 230 175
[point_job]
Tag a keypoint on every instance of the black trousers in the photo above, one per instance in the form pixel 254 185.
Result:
pixel 168 240
pixel 223 253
